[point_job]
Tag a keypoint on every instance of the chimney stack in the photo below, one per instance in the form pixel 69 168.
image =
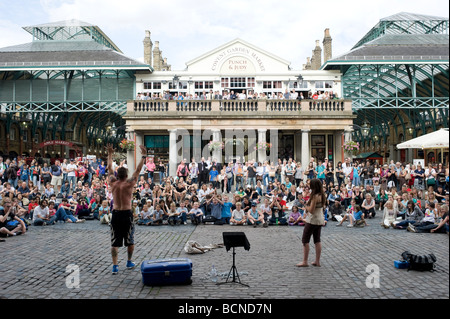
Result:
pixel 308 63
pixel 317 55
pixel 157 57
pixel 327 46
pixel 148 45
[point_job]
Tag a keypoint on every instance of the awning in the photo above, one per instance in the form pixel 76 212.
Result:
pixel 368 155
pixel 435 140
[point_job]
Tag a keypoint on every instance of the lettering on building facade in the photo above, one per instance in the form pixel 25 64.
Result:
pixel 238 61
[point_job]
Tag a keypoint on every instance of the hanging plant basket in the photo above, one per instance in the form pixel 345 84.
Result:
pixel 214 146
pixel 351 147
pixel 126 145
pixel 263 146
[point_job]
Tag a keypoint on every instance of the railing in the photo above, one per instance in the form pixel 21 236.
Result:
pixel 240 105
pixel 326 105
pixel 294 107
pixel 151 106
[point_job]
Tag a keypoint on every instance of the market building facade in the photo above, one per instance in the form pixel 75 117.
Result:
pixel 273 104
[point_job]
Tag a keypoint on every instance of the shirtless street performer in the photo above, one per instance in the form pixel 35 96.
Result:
pixel 122 226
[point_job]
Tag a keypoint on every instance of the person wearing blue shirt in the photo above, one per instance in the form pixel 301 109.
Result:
pixel 320 169
pixel 213 176
pixel 332 197
pixel 356 178
pixel 182 211
pixel 24 173
pixel 359 217
pixel 101 169
pixel 215 206
pixel 227 208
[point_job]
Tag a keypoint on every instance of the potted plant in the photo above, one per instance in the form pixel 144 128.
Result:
pixel 351 147
pixel 215 145
pixel 126 145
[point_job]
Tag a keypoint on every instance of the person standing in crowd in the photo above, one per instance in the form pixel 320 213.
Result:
pixel 314 222
pixel 203 172
pixel 151 167
pixel 71 174
pixel 57 176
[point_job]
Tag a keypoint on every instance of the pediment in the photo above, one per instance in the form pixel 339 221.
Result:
pixel 237 57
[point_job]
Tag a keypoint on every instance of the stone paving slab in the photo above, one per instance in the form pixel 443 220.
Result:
pixel 35 265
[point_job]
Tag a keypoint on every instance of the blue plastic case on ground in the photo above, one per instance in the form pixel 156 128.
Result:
pixel 170 271
pixel 401 264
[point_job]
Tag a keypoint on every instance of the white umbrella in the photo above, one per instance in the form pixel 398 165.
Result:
pixel 435 140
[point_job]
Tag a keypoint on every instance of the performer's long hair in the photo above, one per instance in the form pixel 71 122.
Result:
pixel 316 189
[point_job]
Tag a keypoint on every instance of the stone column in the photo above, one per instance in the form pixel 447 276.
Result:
pixel 217 153
pixel 305 148
pixel 274 141
pixel 298 146
pixel 185 145
pixel 130 155
pixel 262 155
pixel 409 155
pixel 137 153
pixel 348 137
pixel 173 152
pixel 392 153
pixel 338 148
pixel 251 143
pixel 197 140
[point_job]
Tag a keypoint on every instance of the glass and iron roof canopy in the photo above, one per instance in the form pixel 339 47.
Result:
pixel 398 69
pixel 70 30
pixel 70 44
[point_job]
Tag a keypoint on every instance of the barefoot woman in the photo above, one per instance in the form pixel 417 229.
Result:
pixel 122 226
pixel 313 222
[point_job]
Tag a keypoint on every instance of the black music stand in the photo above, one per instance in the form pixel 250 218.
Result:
pixel 233 240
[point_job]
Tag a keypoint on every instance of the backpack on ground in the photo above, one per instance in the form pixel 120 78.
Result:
pixel 420 262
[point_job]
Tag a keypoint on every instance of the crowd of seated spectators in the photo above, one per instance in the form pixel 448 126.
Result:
pixel 251 193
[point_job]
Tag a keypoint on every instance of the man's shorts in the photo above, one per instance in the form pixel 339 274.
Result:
pixel 56 180
pixel 122 228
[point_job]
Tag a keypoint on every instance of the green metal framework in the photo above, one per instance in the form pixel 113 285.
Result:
pixel 406 23
pixel 70 30
pixel 66 90
pixel 53 96
pixel 390 87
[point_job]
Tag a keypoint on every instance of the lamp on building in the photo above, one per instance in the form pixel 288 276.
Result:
pixel 113 130
pixel 410 130
pixel 375 137
pixel 108 126
pixel 23 125
pixel 175 80
pixel 365 129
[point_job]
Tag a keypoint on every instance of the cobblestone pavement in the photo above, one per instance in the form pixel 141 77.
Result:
pixel 34 265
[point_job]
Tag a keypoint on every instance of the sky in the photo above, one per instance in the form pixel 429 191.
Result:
pixel 188 29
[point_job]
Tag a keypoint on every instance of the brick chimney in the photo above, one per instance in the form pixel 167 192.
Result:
pixel 317 54
pixel 148 46
pixel 157 59
pixel 327 46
